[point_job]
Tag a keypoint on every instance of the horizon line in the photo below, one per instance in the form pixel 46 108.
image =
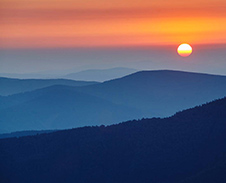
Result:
pixel 108 46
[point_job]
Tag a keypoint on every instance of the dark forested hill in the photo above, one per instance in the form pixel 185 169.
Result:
pixel 161 93
pixel 187 147
pixel 9 86
pixel 23 133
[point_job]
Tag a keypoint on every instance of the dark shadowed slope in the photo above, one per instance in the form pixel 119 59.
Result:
pixel 188 147
pixel 10 86
pixel 215 173
pixel 100 74
pixel 161 93
pixel 58 107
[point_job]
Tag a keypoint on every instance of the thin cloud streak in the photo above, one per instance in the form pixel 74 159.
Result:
pixel 43 15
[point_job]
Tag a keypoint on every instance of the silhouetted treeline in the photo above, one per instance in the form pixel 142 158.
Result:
pixel 187 147
pixel 24 133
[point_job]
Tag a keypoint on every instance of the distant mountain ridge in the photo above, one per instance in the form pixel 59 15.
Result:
pixel 11 86
pixel 140 95
pixel 58 107
pixel 100 75
pixel 162 92
pixel 187 147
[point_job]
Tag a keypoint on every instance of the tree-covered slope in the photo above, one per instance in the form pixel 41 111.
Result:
pixel 187 147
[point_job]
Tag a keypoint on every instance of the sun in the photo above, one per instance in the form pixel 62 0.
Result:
pixel 184 50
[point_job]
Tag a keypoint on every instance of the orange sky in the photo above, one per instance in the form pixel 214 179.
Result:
pixel 83 23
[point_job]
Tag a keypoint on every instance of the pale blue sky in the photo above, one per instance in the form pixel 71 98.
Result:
pixel 205 59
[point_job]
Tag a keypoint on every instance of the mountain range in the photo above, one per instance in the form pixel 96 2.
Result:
pixel 10 86
pixel 188 147
pixel 139 95
pixel 160 93
pixel 100 75
pixel 58 107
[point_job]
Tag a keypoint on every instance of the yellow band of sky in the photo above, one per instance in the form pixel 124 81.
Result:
pixel 54 23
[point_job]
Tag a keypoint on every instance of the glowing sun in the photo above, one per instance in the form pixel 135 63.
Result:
pixel 184 50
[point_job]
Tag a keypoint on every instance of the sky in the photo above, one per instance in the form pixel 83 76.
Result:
pixel 91 23
pixel 60 36
pixel 204 59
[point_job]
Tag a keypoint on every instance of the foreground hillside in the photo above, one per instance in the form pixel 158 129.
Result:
pixel 187 147
pixel 11 86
